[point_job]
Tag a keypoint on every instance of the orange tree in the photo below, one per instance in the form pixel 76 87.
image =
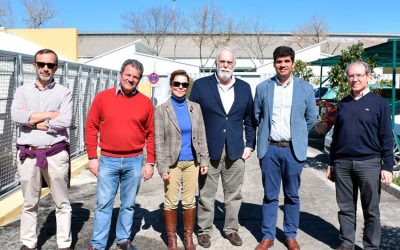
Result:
pixel 337 74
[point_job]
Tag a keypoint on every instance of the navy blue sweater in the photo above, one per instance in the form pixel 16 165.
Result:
pixel 363 130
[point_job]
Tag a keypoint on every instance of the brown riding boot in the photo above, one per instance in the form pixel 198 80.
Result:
pixel 189 216
pixel 170 226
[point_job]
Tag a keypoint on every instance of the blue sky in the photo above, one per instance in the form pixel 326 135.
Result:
pixel 355 16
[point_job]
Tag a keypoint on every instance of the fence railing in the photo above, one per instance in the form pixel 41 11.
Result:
pixel 16 69
pixel 85 82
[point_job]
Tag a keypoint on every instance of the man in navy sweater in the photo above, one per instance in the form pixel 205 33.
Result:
pixel 361 155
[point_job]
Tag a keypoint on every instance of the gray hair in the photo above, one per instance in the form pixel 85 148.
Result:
pixel 226 49
pixel 366 66
pixel 46 51
pixel 134 63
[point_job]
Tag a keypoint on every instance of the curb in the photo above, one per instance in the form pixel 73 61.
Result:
pixel 11 204
pixel 392 189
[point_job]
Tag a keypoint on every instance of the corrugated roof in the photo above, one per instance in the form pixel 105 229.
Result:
pixel 94 44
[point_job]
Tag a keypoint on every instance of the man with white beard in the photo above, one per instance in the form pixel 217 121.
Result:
pixel 226 103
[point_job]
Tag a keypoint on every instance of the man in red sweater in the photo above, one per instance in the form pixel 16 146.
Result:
pixel 120 121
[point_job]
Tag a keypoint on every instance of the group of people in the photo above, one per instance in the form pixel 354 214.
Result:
pixel 195 140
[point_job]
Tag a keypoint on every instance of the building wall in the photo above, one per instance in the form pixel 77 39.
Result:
pixel 160 65
pixel 63 41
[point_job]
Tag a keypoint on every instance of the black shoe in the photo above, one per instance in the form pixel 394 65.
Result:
pixel 126 245
pixel 344 248
pixel 204 240
pixel 27 248
pixel 234 239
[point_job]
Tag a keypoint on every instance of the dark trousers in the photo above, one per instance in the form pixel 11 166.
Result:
pixel 352 176
pixel 279 164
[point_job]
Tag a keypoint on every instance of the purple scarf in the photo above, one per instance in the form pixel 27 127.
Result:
pixel 41 155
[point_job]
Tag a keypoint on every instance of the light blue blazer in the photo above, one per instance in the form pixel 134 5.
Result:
pixel 303 115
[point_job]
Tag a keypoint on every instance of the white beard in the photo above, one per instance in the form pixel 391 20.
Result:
pixel 224 75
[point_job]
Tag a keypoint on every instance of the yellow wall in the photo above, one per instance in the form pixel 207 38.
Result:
pixel 145 87
pixel 63 41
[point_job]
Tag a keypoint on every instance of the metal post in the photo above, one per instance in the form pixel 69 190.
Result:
pixel 65 75
pixel 80 110
pixel 320 86
pixel 394 66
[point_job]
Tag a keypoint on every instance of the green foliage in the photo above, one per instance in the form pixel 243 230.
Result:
pixel 302 70
pixel 337 73
pixel 384 83
pixel 396 180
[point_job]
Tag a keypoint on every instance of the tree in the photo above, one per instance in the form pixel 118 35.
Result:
pixel 177 25
pixel 152 24
pixel 302 70
pixel 337 74
pixel 38 12
pixel 211 30
pixel 255 42
pixel 311 33
pixel 6 14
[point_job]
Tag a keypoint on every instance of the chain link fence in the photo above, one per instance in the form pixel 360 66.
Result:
pixel 83 80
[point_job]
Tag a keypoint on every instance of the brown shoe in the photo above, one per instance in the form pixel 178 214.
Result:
pixel 204 240
pixel 265 244
pixel 234 239
pixel 292 244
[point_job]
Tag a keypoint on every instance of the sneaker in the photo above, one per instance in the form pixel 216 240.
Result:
pixel 126 245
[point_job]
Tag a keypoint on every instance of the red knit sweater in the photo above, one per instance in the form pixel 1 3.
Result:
pixel 123 124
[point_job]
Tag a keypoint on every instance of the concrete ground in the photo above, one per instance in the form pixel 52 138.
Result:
pixel 318 220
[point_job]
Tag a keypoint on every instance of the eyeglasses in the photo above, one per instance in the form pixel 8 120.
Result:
pixel 230 63
pixel 358 76
pixel 177 84
pixel 49 65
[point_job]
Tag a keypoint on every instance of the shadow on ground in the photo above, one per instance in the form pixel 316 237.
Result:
pixel 48 229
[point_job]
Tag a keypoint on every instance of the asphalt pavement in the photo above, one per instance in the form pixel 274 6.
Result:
pixel 318 219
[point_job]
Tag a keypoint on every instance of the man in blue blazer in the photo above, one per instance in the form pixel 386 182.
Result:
pixel 284 110
pixel 226 103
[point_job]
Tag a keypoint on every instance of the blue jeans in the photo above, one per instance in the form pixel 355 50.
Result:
pixel 279 164
pixel 112 172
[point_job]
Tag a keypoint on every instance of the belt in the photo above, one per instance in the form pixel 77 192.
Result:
pixel 38 148
pixel 280 143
